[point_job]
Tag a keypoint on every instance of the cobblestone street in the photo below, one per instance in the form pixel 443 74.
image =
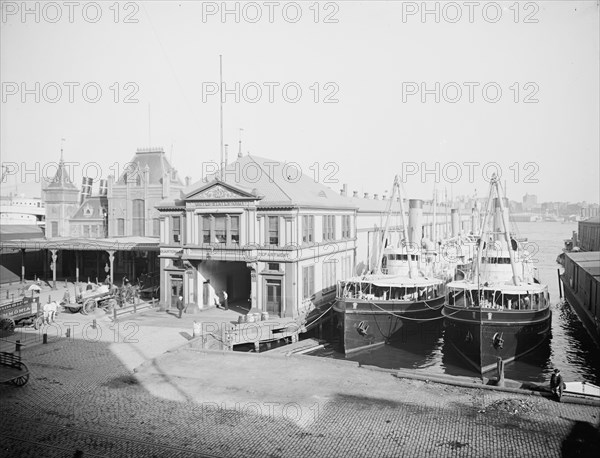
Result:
pixel 83 395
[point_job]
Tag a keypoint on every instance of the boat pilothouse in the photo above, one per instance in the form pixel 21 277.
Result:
pixel 402 290
pixel 501 311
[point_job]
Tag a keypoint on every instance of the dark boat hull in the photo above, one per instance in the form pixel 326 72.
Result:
pixel 481 336
pixel 371 324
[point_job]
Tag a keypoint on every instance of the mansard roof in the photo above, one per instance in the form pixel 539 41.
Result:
pixel 156 162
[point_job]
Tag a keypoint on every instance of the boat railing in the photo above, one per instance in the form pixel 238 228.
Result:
pixel 496 301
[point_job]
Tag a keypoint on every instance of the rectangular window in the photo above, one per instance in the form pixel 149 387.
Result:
pixel 54 229
pixel 86 231
pixel 220 229
pixel 156 227
pixel 206 229
pixel 332 228
pixel 308 228
pixel 120 226
pixel 176 229
pixel 346 232
pixel 139 217
pixel 235 229
pixel 274 266
pixel 329 227
pixel 308 281
pixel 273 230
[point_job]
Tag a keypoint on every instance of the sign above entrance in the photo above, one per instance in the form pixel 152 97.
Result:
pixel 216 203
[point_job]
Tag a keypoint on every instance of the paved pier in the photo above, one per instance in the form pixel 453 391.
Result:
pixel 137 389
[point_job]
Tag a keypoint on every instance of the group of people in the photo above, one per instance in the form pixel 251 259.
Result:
pixel 219 304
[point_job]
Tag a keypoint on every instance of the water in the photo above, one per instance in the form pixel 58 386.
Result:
pixel 569 347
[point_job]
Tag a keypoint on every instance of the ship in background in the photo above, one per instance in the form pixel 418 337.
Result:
pixel 501 312
pixel 19 210
pixel 580 278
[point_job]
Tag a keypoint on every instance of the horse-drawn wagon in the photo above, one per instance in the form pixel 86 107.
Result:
pixel 24 311
pixel 102 297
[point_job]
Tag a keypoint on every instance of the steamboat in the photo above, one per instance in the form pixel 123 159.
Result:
pixel 405 289
pixel 500 312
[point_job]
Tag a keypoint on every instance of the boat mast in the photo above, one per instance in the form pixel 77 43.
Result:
pixel 405 233
pixel 434 231
pixel 483 231
pixel 386 227
pixel 496 182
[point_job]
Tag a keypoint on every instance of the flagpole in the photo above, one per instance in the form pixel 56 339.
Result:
pixel 221 107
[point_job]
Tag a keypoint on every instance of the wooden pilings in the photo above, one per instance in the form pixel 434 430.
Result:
pixel 560 291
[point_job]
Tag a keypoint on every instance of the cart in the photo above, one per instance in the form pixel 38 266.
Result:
pixel 12 369
pixel 20 312
pixel 89 301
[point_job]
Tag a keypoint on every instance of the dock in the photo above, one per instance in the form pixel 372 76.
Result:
pixel 227 335
pixel 298 348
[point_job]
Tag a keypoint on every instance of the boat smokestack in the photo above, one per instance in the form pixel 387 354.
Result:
pixel 86 189
pixel 455 222
pixel 415 222
pixel 498 227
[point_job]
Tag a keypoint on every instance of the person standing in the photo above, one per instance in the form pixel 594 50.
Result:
pixel 47 311
pixel 225 300
pixel 557 385
pixel 52 309
pixel 179 305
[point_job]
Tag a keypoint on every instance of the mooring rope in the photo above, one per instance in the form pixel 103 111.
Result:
pixel 414 319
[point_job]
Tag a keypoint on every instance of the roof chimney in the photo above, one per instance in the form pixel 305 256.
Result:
pixel 188 181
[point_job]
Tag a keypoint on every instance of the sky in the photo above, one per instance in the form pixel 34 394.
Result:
pixel 443 97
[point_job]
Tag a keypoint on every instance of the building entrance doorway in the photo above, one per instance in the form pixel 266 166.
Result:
pixel 274 297
pixel 176 288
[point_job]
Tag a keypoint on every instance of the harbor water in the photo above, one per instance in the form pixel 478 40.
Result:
pixel 569 347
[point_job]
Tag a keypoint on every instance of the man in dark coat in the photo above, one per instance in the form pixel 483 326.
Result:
pixel 179 305
pixel 557 385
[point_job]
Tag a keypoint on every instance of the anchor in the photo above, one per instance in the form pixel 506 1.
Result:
pixel 362 328
pixel 498 341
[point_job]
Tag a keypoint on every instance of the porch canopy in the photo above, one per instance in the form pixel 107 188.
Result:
pixel 77 245
pixel 84 244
